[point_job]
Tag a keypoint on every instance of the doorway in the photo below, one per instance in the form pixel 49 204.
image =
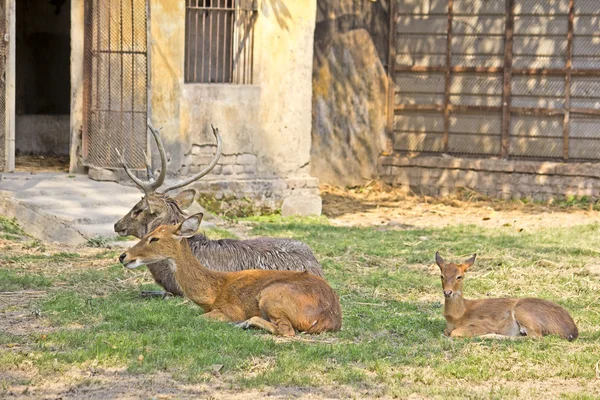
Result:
pixel 43 85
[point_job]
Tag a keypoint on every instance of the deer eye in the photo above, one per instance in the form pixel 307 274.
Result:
pixel 154 239
pixel 459 277
pixel 135 213
pixel 442 276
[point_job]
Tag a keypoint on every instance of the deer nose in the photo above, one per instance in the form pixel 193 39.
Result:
pixel 122 257
pixel 447 293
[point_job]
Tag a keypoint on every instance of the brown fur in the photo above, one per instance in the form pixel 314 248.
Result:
pixel 505 316
pixel 221 255
pixel 281 302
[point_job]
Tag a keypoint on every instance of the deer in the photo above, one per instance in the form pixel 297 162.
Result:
pixel 500 317
pixel 159 208
pixel 280 302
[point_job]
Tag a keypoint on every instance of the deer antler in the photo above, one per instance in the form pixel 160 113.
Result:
pixel 206 170
pixel 149 187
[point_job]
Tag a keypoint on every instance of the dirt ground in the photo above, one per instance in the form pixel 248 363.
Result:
pixel 42 163
pixel 378 205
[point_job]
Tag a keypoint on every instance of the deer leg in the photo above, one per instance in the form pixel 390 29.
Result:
pixel 461 332
pixel 217 316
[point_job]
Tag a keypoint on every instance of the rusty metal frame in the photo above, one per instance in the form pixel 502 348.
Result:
pixel 391 70
pixel 507 72
pixel 448 77
pixel 569 64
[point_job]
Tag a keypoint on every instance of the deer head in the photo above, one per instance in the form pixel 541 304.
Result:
pixel 158 208
pixel 162 243
pixel 452 275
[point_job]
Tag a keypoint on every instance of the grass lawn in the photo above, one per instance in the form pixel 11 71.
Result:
pixel 88 315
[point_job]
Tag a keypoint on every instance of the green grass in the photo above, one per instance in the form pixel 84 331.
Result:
pixel 10 229
pixel 391 342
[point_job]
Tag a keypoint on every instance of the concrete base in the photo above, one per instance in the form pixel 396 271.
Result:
pixel 267 192
pixel 516 179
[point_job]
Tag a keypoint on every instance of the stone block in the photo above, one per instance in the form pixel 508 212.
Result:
pixel 226 160
pixel 101 174
pixel 302 205
pixel 227 170
pixel 250 169
pixel 246 159
pixel 238 169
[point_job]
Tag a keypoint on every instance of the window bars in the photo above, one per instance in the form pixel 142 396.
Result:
pixel 219 41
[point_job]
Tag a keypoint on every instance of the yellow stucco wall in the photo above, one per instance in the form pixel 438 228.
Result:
pixel 270 119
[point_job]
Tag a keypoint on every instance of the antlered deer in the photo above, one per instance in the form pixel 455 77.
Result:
pixel 280 302
pixel 505 316
pixel 156 209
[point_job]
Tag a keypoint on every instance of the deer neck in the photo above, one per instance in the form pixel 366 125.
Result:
pixel 454 307
pixel 197 282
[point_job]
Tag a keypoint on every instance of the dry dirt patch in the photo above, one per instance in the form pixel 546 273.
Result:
pixel 379 205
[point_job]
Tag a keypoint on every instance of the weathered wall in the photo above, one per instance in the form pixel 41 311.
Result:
pixel 265 126
pixel 349 90
pixel 42 79
pixel 440 176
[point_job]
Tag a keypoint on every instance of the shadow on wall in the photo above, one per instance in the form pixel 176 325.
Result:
pixel 281 12
pixel 349 90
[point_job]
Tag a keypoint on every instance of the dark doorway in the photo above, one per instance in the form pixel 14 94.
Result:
pixel 43 79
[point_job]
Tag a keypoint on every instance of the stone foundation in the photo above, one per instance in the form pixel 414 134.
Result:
pixel 440 176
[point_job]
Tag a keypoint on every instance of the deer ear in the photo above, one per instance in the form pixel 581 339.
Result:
pixel 439 260
pixel 467 264
pixel 185 198
pixel 189 226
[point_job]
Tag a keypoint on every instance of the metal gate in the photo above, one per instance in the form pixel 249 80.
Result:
pixel 3 51
pixel 115 82
pixel 509 78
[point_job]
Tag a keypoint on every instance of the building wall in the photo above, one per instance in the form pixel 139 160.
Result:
pixel 265 126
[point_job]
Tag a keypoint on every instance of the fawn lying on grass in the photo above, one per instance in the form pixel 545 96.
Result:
pixel 280 302
pixel 506 316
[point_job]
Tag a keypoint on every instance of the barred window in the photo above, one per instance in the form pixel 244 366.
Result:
pixel 219 41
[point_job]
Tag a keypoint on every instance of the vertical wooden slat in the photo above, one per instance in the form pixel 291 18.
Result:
pixel 448 77
pixel 506 91
pixel 567 117
pixel 391 73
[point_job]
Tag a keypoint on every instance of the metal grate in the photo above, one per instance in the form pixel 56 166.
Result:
pixel 510 78
pixel 219 41
pixel 115 82
pixel 2 84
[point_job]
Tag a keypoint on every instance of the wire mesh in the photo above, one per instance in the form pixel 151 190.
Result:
pixel 116 82
pixel 219 41
pixel 523 93
pixel 2 84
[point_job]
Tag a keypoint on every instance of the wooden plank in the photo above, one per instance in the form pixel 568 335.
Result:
pixel 506 93
pixel 448 76
pixel 391 71
pixel 569 64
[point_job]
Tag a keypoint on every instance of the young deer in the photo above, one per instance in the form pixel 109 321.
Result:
pixel 156 209
pixel 280 302
pixel 505 316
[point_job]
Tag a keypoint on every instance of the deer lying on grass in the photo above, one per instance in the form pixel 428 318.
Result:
pixel 280 302
pixel 505 316
pixel 156 209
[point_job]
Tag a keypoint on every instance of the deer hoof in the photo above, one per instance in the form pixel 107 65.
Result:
pixel 242 325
